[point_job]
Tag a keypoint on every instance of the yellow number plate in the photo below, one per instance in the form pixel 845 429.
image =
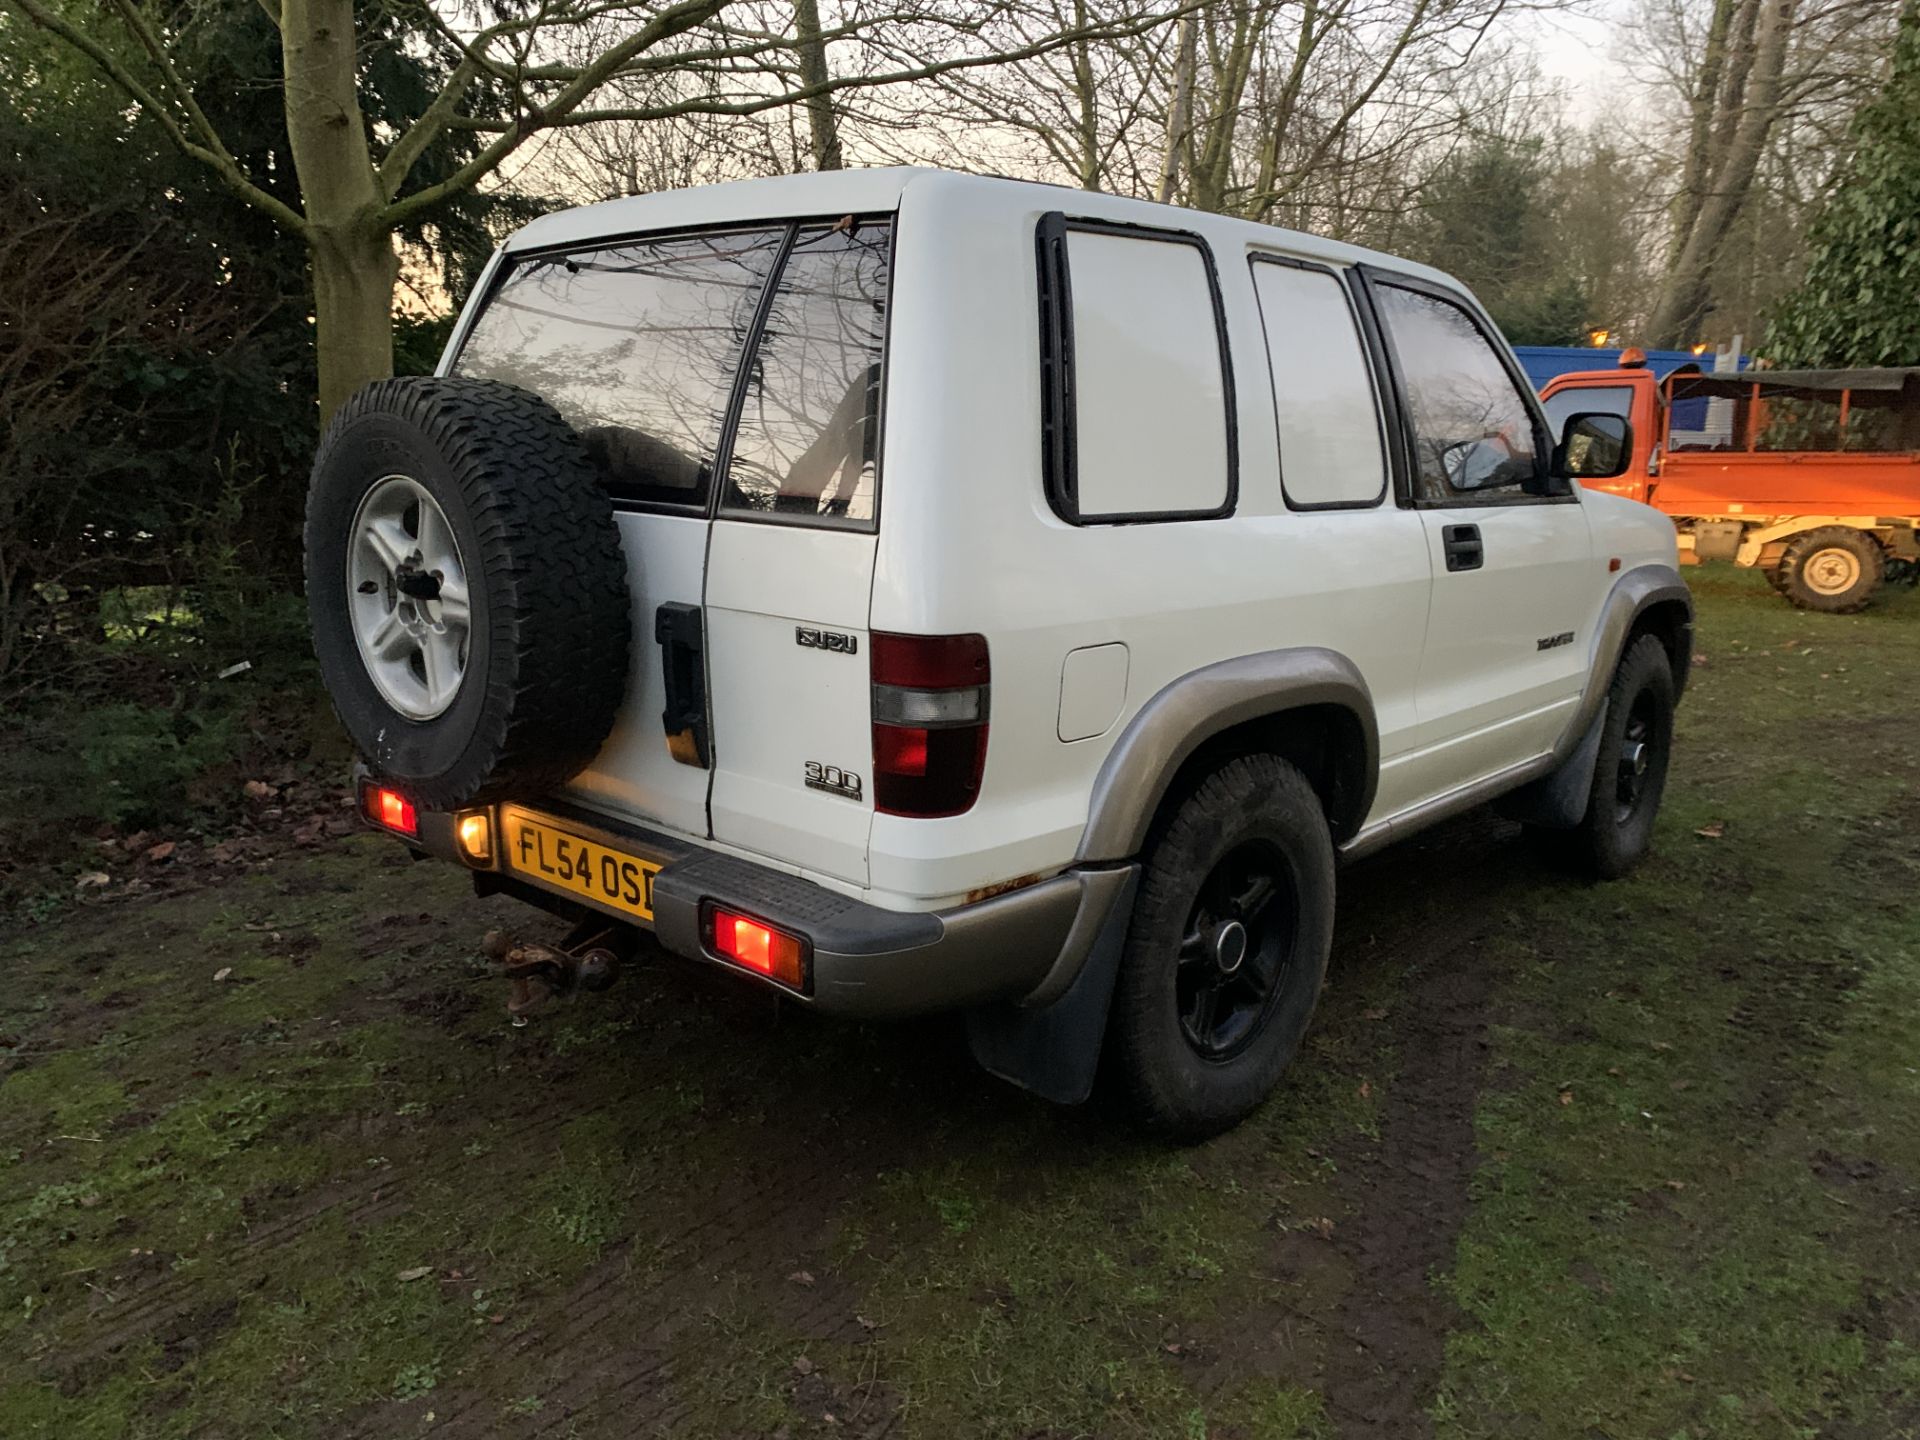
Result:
pixel 584 867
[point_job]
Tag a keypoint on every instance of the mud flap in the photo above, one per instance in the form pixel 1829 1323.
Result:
pixel 1558 800
pixel 1053 1050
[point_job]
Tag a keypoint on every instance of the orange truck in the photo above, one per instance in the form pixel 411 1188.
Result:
pixel 1812 475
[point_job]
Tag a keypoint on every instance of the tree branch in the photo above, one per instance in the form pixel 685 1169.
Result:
pixel 672 21
pixel 215 157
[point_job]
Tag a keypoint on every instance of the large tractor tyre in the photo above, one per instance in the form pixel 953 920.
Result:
pixel 1227 949
pixel 1630 772
pixel 467 589
pixel 1834 569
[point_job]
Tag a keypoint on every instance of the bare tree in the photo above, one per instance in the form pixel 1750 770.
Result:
pixel 1763 90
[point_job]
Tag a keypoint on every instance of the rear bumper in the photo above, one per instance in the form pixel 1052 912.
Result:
pixel 1025 946
pixel 870 963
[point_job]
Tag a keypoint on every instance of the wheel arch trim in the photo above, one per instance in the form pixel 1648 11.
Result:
pixel 1189 711
pixel 1634 595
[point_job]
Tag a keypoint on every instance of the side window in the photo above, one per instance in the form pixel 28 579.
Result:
pixel 1331 450
pixel 808 441
pixel 1473 432
pixel 636 346
pixel 1148 400
pixel 1586 400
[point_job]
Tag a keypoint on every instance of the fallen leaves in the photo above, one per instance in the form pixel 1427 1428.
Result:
pixel 417 1272
pixel 1712 830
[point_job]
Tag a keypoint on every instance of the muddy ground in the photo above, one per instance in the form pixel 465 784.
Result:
pixel 1640 1160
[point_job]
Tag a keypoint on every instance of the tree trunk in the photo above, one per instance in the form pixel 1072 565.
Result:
pixel 353 277
pixel 822 124
pixel 1086 138
pixel 1700 128
pixel 1755 81
pixel 1180 113
pixel 349 246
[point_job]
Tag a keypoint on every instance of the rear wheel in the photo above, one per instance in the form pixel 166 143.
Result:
pixel 1834 569
pixel 1227 949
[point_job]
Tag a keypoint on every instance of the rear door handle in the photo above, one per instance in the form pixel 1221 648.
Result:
pixel 1463 547
pixel 683 665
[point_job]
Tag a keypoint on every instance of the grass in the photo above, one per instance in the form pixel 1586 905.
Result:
pixel 1669 1190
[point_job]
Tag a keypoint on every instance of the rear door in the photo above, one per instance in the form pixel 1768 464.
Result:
pixel 790 570
pixel 1514 595
pixel 639 344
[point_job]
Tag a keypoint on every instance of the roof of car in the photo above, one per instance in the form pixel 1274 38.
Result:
pixel 833 193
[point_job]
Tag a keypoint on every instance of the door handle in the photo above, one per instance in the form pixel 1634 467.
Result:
pixel 1463 547
pixel 683 666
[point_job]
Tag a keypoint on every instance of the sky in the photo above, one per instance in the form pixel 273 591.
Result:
pixel 1581 52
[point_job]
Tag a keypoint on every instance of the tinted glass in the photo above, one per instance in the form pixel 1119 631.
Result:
pixel 808 440
pixel 1587 400
pixel 1322 389
pixel 1473 432
pixel 636 345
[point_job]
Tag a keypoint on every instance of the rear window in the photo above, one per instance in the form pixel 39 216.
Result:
pixel 636 345
pixel 807 446
pixel 674 362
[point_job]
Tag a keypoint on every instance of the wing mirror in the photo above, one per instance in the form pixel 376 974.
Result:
pixel 1593 446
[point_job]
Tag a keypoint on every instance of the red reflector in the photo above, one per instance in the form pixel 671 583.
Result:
pixel 929 662
pixel 760 948
pixel 389 809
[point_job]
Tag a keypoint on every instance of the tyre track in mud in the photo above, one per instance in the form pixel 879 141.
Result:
pixel 605 1351
pixel 729 1234
pixel 1353 1312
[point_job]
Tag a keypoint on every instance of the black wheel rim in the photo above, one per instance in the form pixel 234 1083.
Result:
pixel 1638 758
pixel 1236 951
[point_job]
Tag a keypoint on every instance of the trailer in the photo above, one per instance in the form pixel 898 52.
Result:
pixel 1811 475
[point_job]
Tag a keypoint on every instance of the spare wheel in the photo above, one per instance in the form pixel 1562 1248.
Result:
pixel 467 589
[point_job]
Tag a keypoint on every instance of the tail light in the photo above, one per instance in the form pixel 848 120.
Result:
pixel 757 946
pixel 929 722
pixel 389 809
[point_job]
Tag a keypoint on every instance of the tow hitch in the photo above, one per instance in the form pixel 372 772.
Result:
pixel 590 958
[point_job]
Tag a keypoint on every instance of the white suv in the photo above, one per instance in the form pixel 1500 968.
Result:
pixel 917 591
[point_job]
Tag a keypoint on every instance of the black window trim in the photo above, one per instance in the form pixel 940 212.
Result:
pixel 1375 379
pixel 506 262
pixel 1060 457
pixel 1371 279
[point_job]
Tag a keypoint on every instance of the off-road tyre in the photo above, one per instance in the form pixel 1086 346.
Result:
pixel 1834 569
pixel 1262 809
pixel 547 647
pixel 1618 829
